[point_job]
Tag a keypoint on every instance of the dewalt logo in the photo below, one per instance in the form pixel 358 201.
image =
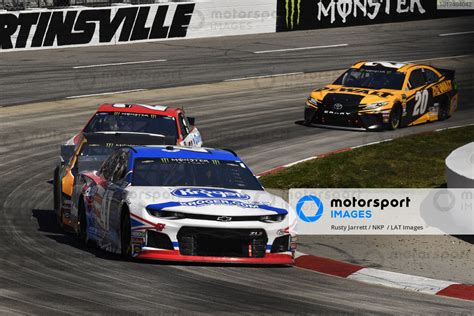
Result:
pixel 293 13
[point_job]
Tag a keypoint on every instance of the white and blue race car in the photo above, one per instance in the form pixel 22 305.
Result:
pixel 181 203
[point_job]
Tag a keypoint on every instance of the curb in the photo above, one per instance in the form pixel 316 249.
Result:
pixel 385 278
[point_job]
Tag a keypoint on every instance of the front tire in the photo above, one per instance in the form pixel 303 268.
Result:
pixel 308 116
pixel 125 234
pixel 395 118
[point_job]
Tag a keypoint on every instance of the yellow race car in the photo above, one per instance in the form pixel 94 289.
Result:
pixel 384 95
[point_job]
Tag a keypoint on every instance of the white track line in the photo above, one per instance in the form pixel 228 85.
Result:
pixel 299 161
pixel 103 93
pixel 120 64
pixel 458 33
pixel 265 76
pixel 299 48
pixel 438 58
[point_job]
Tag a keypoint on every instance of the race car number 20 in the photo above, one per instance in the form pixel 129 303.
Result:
pixel 421 99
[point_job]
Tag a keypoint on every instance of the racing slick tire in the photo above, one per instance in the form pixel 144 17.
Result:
pixel 125 234
pixel 308 116
pixel 395 117
pixel 443 113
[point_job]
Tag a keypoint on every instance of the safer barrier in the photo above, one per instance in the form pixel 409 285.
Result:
pixel 296 15
pixel 42 28
pixel 85 26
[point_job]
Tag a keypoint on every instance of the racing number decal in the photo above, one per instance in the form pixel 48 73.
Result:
pixel 421 102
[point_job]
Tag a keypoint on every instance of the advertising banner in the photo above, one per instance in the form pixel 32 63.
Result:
pixel 87 26
pixel 316 14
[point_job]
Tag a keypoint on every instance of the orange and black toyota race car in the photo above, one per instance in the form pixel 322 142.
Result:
pixel 384 95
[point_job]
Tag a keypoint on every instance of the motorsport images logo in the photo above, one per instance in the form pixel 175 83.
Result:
pixel 309 208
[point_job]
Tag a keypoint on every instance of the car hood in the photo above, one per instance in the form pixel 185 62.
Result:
pixel 207 201
pixel 366 96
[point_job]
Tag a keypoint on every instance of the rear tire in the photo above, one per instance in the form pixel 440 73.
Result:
pixel 125 234
pixel 443 112
pixel 395 118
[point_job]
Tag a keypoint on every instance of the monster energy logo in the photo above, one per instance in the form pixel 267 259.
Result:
pixel 293 13
pixel 346 10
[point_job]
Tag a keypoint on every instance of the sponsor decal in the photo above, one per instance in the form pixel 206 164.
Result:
pixel 442 88
pixel 336 113
pixel 93 25
pixel 314 14
pixel 209 193
pixel 138 240
pixel 138 234
pixel 211 202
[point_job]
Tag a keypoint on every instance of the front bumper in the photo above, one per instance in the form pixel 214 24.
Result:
pixel 343 119
pixel 210 241
pixel 174 255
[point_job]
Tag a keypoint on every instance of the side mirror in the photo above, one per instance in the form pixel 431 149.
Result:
pixel 191 120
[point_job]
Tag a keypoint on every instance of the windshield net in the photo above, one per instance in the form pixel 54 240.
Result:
pixel 194 172
pixel 377 78
pixel 133 122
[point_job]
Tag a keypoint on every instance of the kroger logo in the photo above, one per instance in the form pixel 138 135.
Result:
pixel 313 208
pixel 209 193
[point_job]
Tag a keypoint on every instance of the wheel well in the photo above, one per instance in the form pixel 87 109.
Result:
pixel 445 102
pixel 399 105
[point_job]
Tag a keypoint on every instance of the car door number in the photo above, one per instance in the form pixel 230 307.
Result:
pixel 421 102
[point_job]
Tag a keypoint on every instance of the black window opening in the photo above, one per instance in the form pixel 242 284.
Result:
pixel 170 172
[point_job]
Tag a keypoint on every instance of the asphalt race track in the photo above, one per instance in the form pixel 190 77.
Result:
pixel 45 271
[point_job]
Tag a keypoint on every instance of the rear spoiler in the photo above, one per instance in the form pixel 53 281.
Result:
pixel 449 74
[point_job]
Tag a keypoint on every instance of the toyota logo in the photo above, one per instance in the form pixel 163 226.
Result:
pixel 224 219
pixel 337 106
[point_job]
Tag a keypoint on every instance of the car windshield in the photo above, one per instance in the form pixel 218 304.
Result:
pixel 377 78
pixel 133 122
pixel 172 172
